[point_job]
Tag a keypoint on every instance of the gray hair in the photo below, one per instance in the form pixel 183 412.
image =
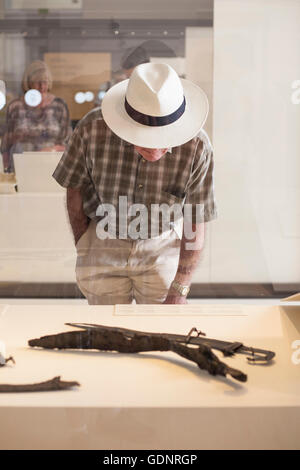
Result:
pixel 37 70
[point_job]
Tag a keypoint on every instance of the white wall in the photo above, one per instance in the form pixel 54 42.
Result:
pixel 256 137
pixel 199 63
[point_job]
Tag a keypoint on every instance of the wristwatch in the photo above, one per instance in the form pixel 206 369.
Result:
pixel 183 290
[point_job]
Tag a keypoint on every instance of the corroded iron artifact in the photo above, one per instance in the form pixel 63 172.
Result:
pixel 226 347
pixel 10 358
pixel 48 386
pixel 123 340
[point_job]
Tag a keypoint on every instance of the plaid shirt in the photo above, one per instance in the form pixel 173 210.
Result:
pixel 106 167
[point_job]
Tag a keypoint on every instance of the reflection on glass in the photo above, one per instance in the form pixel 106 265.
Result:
pixel 36 121
pixel 141 54
pixel 33 98
pixel 79 97
pixel 89 96
pixel 2 94
pixel 85 61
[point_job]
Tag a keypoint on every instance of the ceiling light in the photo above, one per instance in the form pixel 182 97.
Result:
pixel 33 97
pixel 79 97
pixel 89 96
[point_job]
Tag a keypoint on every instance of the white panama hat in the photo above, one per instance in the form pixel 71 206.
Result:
pixel 155 108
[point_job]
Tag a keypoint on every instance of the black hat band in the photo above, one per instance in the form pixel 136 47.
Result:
pixel 147 120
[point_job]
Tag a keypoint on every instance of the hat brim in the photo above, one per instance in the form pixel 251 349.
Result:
pixel 171 135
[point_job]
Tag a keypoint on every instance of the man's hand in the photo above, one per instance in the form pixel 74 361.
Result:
pixel 175 299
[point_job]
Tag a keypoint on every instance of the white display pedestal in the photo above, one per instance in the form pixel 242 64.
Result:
pixel 151 400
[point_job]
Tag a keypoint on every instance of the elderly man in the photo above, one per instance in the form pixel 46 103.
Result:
pixel 147 154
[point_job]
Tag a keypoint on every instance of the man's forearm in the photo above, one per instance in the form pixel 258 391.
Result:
pixel 190 252
pixel 78 220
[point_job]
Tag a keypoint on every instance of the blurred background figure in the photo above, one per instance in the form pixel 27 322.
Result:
pixel 37 121
pixel 133 57
pixel 145 52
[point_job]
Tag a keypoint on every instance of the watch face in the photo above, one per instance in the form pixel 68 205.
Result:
pixel 185 290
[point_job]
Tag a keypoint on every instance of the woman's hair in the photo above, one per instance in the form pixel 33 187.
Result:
pixel 36 71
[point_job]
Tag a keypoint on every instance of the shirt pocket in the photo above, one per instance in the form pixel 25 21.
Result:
pixel 170 198
pixel 166 211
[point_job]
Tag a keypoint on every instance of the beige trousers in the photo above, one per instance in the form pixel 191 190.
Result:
pixel 118 271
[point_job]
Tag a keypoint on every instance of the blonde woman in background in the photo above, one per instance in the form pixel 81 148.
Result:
pixel 45 127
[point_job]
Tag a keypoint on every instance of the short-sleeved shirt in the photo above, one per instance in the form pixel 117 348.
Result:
pixel 106 167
